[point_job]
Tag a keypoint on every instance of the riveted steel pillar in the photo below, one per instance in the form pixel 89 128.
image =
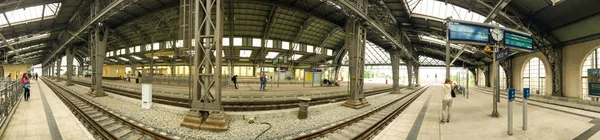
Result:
pixel 69 72
pixel 554 56
pixel 409 71
pixel 58 62
pixel 416 73
pixel 99 40
pixel 355 41
pixel 207 112
pixel 395 56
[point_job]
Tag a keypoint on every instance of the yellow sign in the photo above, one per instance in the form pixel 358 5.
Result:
pixel 308 76
pixel 271 74
pixel 487 48
pixel 163 53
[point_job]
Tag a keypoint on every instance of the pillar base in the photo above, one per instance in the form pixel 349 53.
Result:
pixel 69 84
pixel 356 104
pixel 97 93
pixel 215 121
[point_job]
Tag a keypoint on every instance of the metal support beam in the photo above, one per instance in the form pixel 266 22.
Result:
pixel 92 21
pixel 458 54
pixel 58 62
pixel 69 73
pixel 356 39
pixel 207 112
pixel 410 74
pixel 554 57
pixel 494 11
pixel 99 37
pixel 362 13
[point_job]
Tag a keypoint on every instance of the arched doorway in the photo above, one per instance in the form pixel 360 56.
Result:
pixel 590 62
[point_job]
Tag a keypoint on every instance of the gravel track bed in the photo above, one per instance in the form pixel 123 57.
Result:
pixel 286 126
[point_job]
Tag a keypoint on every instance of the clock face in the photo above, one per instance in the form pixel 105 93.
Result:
pixel 497 34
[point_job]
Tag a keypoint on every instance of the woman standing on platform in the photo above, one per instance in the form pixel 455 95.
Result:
pixel 446 101
pixel 25 82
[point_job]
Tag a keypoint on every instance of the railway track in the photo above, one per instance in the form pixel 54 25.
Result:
pixel 367 125
pixel 232 106
pixel 103 124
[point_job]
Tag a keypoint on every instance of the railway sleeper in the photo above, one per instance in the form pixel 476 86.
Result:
pixel 102 118
pixel 336 136
pixel 95 114
pixel 106 122
pixel 363 124
pixel 123 132
pixel 347 133
pixel 135 136
pixel 356 128
pixel 114 127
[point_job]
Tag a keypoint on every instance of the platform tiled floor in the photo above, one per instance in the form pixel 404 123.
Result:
pixel 471 120
pixel 30 121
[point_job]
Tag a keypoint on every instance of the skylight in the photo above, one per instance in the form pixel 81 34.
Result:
pixel 269 44
pixel 329 52
pixel 442 42
pixel 237 41
pixel 154 57
pixel 26 38
pixel 25 48
pixel 442 10
pixel 256 42
pixel 245 53
pixel 309 48
pixel 29 14
pixel 272 55
pixel 222 53
pixel 285 45
pixel 296 56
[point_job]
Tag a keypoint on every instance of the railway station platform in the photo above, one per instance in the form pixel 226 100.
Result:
pixel 471 119
pixel 231 93
pixel 43 117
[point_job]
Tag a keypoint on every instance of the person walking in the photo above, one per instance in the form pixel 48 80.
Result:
pixel 234 79
pixel 25 83
pixel 446 101
pixel 36 76
pixel 263 82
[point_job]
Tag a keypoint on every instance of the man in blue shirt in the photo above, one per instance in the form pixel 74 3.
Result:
pixel 263 82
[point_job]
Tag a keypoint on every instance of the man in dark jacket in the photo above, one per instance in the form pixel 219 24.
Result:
pixel 234 79
pixel 263 82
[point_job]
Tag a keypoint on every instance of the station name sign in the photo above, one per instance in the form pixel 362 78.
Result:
pixel 516 40
pixel 464 32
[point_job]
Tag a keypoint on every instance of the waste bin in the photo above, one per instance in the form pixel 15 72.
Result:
pixel 303 107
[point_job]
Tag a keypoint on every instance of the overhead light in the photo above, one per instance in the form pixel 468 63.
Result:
pixel 136 57
pixel 154 57
pixel 124 59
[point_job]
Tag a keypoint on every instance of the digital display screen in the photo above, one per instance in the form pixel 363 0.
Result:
pixel 468 32
pixel 518 41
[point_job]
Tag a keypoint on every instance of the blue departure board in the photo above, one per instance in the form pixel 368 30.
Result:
pixel 468 32
pixel 518 40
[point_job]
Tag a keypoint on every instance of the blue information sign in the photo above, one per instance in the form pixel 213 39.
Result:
pixel 594 82
pixel 526 93
pixel 468 32
pixel 505 53
pixel 511 94
pixel 518 40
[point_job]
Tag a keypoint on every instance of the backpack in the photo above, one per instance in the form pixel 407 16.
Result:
pixel 452 93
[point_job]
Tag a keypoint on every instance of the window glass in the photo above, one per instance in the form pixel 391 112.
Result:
pixel 169 44
pixel 137 48
pixel 237 42
pixel 256 42
pixel 534 76
pixel 226 41
pixel 329 52
pixel 309 48
pixel 179 43
pixel 269 44
pixel 285 45
pixel 155 46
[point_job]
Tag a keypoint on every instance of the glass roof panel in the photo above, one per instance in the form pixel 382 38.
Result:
pixel 272 55
pixel 428 61
pixel 34 13
pixel 441 10
pixel 373 55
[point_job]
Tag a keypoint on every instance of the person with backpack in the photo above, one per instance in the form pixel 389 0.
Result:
pixel 234 79
pixel 263 82
pixel 25 83
pixel 447 97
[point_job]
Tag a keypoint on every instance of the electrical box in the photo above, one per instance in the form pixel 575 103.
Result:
pixel 146 96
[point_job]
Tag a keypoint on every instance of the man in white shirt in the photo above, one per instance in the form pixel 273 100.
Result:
pixel 446 101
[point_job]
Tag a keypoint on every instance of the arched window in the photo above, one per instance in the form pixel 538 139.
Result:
pixel 502 79
pixel 591 62
pixel 534 76
pixel 480 78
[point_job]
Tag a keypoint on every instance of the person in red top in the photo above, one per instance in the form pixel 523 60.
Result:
pixel 25 83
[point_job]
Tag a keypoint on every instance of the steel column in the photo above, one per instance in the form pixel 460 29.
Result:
pixel 409 71
pixel 395 72
pixel 355 42
pixel 207 112
pixel 99 39
pixel 69 73
pixel 495 72
pixel 58 62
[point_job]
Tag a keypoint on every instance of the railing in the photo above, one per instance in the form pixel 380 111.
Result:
pixel 10 93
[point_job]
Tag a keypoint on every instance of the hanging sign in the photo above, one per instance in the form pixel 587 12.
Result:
pixel 517 40
pixel 502 54
pixel 469 33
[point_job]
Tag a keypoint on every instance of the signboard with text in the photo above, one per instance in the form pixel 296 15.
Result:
pixel 502 54
pixel 594 82
pixel 464 32
pixel 517 40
